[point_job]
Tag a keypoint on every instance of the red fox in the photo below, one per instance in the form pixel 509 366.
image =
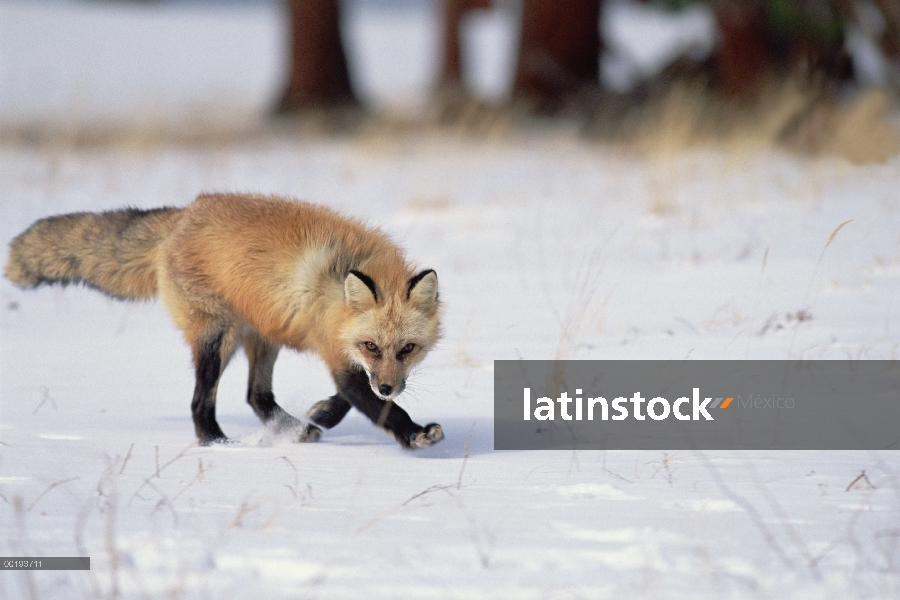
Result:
pixel 259 272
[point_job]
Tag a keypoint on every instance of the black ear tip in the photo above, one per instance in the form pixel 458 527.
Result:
pixel 366 280
pixel 414 281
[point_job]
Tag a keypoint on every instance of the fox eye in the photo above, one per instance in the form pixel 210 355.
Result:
pixel 371 347
pixel 407 349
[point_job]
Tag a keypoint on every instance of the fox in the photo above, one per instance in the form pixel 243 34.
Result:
pixel 262 273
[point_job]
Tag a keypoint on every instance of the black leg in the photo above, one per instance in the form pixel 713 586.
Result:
pixel 353 386
pixel 329 413
pixel 203 406
pixel 259 389
pixel 262 357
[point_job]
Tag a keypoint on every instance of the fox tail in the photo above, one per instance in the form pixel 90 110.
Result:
pixel 115 252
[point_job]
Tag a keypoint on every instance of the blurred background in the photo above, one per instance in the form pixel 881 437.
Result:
pixel 813 75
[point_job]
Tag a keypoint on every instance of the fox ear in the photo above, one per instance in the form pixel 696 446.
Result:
pixel 359 290
pixel 423 289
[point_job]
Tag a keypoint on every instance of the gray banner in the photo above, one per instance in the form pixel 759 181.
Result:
pixel 703 405
pixel 45 563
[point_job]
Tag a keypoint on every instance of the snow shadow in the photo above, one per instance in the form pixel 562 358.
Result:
pixel 462 436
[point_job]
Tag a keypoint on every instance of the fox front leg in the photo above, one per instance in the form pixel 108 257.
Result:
pixel 329 412
pixel 353 388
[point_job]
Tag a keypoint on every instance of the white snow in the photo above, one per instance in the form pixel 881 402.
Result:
pixel 546 246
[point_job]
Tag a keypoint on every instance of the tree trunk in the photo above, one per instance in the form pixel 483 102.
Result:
pixel 318 75
pixel 742 57
pixel 451 72
pixel 560 50
pixel 890 37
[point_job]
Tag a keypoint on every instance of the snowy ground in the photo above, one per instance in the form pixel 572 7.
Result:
pixel 546 246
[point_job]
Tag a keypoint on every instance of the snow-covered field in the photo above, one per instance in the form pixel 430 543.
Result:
pixel 546 246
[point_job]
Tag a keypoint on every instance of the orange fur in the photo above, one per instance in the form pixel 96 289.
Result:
pixel 278 267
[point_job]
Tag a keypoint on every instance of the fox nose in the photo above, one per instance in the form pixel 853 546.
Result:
pixel 384 389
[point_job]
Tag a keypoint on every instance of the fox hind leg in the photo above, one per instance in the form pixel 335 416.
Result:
pixel 211 354
pixel 262 355
pixel 259 391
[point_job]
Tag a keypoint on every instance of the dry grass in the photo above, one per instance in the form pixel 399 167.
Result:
pixel 788 115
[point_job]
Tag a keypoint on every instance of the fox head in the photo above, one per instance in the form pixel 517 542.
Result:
pixel 390 331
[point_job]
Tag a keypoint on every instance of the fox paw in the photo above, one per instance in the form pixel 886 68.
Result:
pixel 284 424
pixel 431 434
pixel 307 434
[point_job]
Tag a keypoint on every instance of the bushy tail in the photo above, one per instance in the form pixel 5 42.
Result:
pixel 115 252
